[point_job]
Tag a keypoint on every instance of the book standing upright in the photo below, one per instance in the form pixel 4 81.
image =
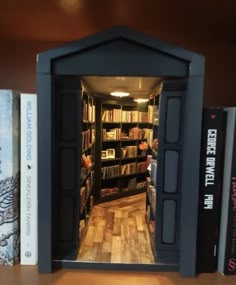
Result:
pixel 9 176
pixel 227 240
pixel 29 205
pixel 212 143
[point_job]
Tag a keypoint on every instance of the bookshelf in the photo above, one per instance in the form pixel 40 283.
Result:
pixel 87 160
pixel 123 126
pixel 153 120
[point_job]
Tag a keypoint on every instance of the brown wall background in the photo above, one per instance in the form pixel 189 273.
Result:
pixel 18 67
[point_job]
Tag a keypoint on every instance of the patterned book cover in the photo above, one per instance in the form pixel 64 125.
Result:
pixel 28 181
pixel 9 176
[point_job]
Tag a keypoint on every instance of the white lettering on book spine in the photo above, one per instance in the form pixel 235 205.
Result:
pixel 210 167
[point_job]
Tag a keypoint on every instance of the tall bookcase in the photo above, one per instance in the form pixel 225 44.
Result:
pixel 122 126
pixel 153 120
pixel 87 159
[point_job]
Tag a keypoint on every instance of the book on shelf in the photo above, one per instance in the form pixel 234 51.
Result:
pixel 113 115
pixel 154 171
pixel 143 117
pixel 9 177
pixel 152 114
pixel 110 171
pixel 86 139
pixel 29 190
pixel 131 116
pixel 85 110
pixel 91 112
pixel 131 151
pixel 104 192
pixel 227 239
pixel 148 135
pixel 210 187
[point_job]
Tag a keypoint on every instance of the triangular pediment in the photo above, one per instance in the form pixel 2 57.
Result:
pixel 129 41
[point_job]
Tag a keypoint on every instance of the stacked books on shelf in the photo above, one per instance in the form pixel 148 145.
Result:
pixel 153 114
pixel 129 151
pixel 141 167
pixel 109 191
pixel 128 168
pixel 88 111
pixel 113 115
pixel 148 135
pixel 86 139
pixel 143 117
pixel 136 133
pixel 112 134
pixel 85 192
pixel 110 171
pixel 118 115
pixel 91 112
pixel 129 116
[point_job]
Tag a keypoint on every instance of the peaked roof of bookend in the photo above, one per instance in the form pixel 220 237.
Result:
pixel 44 59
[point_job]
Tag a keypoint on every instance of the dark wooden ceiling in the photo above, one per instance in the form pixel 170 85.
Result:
pixel 67 20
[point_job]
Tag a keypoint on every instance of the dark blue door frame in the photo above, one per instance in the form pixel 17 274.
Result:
pixel 124 52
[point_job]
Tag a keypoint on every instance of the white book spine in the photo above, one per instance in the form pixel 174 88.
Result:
pixel 29 195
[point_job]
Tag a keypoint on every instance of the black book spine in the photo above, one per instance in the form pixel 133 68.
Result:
pixel 230 250
pixel 210 188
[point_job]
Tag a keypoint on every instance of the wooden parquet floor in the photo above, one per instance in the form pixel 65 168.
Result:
pixel 117 233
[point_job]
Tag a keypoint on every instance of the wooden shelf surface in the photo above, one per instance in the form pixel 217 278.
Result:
pixel 21 275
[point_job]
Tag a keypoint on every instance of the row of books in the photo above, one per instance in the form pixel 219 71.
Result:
pixel 18 178
pixel 129 151
pixel 112 134
pixel 110 171
pixel 85 192
pixel 104 192
pixel 153 114
pixel 118 115
pixel 133 134
pixel 124 169
pixel 88 111
pixel 87 139
pixel 132 185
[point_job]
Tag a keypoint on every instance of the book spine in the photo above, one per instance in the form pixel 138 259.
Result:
pixel 230 248
pixel 9 177
pixel 227 174
pixel 210 189
pixel 29 218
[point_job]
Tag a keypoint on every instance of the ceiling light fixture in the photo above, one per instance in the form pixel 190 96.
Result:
pixel 140 100
pixel 119 94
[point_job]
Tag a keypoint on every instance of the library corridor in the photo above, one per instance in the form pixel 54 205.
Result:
pixel 118 233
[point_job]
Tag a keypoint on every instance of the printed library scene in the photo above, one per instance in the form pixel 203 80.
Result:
pixel 118 169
